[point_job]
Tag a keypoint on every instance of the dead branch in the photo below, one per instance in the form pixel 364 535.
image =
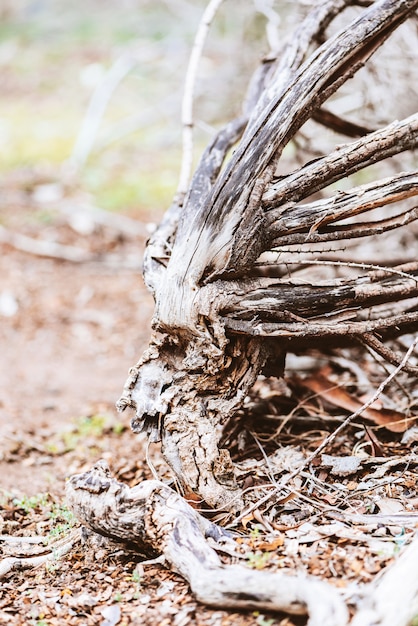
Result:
pixel 343 161
pixel 217 323
pixel 312 217
pixel 188 96
pixel 350 231
pixel 155 520
pixel 51 553
pixel 49 249
pixel 392 600
pixel 273 299
pixel 63 252
pixel 327 327
pixel 96 109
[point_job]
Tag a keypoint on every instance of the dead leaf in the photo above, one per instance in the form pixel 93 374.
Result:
pixel 392 420
pixel 410 436
pixel 270 546
pixel 341 465
pixel 111 615
pixel 388 506
pixel 377 449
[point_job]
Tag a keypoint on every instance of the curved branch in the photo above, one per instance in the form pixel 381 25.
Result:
pixel 386 353
pixel 232 203
pixel 349 231
pixel 343 161
pixel 156 520
pixel 272 299
pixel 312 217
pixel 329 327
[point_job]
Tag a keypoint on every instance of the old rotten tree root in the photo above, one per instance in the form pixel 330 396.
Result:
pixel 156 520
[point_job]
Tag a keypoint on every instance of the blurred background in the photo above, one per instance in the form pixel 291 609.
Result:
pixel 90 151
pixel 130 57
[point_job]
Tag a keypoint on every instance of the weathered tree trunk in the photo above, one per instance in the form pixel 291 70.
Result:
pixel 223 266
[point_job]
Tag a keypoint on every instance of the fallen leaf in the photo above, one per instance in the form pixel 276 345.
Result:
pixel 341 465
pixel 111 615
pixel 392 420
pixel 410 436
pixel 388 506
pixel 270 546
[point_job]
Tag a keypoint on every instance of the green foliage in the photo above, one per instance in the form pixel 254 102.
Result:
pixel 136 576
pixel 84 427
pixel 30 503
pixel 258 559
pixel 62 520
pixel 87 431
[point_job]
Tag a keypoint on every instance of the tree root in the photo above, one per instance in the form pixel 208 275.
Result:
pixel 156 520
pixel 51 552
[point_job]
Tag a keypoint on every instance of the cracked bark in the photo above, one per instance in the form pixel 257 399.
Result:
pixel 155 520
pixel 217 322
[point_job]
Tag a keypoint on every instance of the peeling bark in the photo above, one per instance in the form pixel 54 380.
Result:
pixel 224 309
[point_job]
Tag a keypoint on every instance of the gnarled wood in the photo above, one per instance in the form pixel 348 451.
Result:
pixel 155 520
pixel 218 323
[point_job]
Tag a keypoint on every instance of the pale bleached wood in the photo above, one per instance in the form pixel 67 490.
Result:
pixel 157 521
pixel 30 558
pixel 311 217
pixel 344 160
pixel 392 599
pixel 203 356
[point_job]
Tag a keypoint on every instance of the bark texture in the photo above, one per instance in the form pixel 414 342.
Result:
pixel 224 266
pixel 155 520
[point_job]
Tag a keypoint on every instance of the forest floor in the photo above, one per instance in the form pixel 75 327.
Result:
pixel 70 331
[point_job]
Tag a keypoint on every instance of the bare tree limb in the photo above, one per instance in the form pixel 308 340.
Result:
pixel 389 355
pixel 324 328
pixel 349 231
pixel 343 161
pixel 156 520
pixel 95 111
pixel 313 216
pixel 217 323
pixel 188 97
pixel 52 553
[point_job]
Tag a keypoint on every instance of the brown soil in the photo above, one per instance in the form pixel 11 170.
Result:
pixel 66 350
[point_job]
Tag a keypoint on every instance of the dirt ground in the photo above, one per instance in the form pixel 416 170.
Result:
pixel 69 333
pixel 65 352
